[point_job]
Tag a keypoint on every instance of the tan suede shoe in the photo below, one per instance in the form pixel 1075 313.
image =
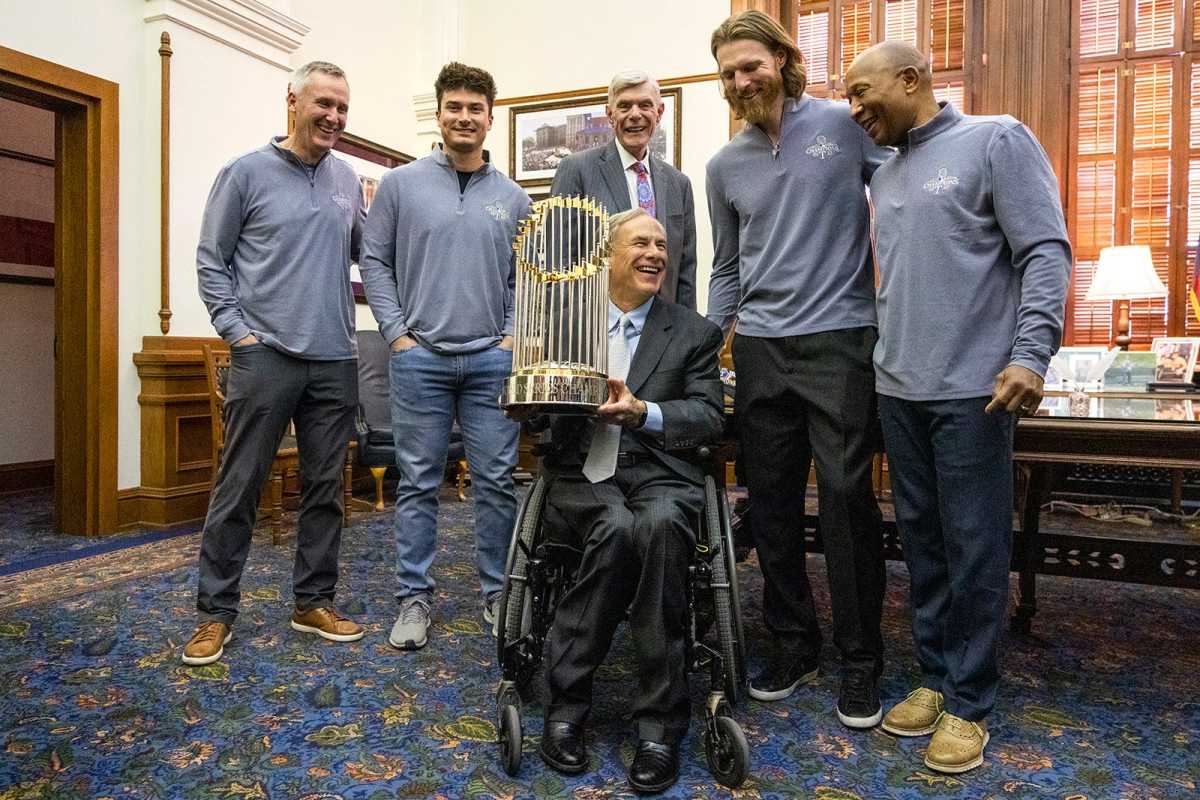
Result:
pixel 207 643
pixel 328 624
pixel 916 715
pixel 957 745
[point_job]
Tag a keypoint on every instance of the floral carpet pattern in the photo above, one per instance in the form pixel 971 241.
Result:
pixel 1101 702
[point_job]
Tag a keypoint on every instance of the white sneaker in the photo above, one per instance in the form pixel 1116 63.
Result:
pixel 412 626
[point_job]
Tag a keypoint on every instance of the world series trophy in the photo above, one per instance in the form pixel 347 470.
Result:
pixel 560 352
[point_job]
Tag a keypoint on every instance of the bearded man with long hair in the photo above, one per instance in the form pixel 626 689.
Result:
pixel 792 266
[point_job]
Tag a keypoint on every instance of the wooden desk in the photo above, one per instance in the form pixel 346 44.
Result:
pixel 1118 432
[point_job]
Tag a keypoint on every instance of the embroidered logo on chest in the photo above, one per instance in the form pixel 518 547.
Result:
pixel 342 202
pixel 823 148
pixel 942 182
pixel 497 211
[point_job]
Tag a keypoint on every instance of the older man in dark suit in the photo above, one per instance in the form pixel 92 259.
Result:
pixel 619 486
pixel 625 174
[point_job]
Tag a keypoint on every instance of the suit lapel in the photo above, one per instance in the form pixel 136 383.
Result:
pixel 651 345
pixel 614 176
pixel 664 195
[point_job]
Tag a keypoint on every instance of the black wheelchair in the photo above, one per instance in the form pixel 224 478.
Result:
pixel 539 571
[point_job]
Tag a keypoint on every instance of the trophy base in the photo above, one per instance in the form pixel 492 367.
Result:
pixel 555 393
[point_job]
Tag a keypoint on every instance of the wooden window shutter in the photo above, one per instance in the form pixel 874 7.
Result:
pixel 812 37
pixel 1099 27
pixel 1154 26
pixel 953 92
pixel 1152 105
pixel 900 20
pixel 1091 321
pixel 855 30
pixel 947 34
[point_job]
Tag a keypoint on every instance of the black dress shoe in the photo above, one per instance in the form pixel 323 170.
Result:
pixel 562 747
pixel 655 766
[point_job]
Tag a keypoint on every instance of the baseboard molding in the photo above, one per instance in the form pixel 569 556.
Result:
pixel 147 507
pixel 26 475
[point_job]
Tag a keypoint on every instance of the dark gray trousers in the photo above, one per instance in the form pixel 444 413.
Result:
pixel 265 390
pixel 800 399
pixel 636 530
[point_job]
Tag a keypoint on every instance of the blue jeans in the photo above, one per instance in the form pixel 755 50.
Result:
pixel 951 470
pixel 428 392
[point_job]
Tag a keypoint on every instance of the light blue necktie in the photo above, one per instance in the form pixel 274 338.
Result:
pixel 601 461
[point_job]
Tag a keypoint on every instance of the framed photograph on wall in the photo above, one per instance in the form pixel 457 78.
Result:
pixel 540 135
pixel 369 161
pixel 1175 358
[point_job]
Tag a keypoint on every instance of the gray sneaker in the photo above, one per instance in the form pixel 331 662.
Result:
pixel 491 612
pixel 409 632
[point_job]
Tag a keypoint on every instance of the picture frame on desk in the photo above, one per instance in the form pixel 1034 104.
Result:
pixel 1175 358
pixel 370 161
pixel 1079 367
pixel 1130 372
pixel 542 134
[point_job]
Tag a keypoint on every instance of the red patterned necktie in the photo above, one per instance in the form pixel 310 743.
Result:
pixel 644 192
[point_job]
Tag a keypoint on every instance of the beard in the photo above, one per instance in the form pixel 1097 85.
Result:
pixel 757 109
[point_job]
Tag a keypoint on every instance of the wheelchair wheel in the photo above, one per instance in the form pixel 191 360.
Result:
pixel 727 753
pixel 509 727
pixel 513 622
pixel 725 597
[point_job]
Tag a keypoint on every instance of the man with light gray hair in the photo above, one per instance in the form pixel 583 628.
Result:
pixel 620 486
pixel 629 172
pixel 275 275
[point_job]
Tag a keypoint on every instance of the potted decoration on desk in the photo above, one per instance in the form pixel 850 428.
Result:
pixel 1082 370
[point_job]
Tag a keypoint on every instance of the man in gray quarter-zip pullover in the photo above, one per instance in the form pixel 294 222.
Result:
pixel 792 263
pixel 974 261
pixel 280 228
pixel 438 268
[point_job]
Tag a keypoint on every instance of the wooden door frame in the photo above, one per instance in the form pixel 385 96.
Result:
pixel 85 305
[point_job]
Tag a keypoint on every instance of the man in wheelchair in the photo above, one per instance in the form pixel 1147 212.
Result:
pixel 619 488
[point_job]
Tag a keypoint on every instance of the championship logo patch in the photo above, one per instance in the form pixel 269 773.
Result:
pixel 823 149
pixel 343 202
pixel 497 211
pixel 942 182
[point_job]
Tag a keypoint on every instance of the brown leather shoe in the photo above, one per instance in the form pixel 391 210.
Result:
pixel 207 643
pixel 957 745
pixel 916 715
pixel 328 624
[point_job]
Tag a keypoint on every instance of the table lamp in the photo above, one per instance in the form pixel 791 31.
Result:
pixel 1126 272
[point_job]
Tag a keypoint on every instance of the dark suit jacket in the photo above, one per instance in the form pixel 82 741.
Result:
pixel 597 173
pixel 675 365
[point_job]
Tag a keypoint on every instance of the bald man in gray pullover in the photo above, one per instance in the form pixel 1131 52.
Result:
pixel 974 262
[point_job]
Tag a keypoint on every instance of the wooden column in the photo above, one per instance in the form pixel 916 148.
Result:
pixel 164 312
pixel 1023 68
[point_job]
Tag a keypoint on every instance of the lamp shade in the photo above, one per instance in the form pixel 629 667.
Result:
pixel 1126 273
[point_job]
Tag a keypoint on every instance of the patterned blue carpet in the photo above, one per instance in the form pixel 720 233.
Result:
pixel 1103 701
pixel 28 538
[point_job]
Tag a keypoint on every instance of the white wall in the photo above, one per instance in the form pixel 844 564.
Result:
pixel 105 40
pixel 228 87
